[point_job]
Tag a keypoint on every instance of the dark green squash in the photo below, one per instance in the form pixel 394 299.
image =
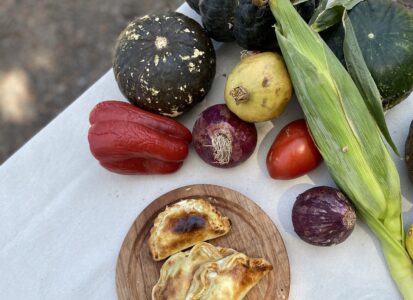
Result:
pixel 252 27
pixel 248 22
pixel 194 4
pixel 164 63
pixel 307 9
pixel 384 31
pixel 218 18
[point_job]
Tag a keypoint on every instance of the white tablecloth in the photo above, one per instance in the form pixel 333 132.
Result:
pixel 63 217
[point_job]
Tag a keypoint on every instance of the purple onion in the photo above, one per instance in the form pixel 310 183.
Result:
pixel 323 216
pixel 222 139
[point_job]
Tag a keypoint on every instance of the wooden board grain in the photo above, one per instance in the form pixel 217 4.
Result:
pixel 252 233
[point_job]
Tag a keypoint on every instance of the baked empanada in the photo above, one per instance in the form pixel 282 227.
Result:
pixel 185 224
pixel 177 272
pixel 230 278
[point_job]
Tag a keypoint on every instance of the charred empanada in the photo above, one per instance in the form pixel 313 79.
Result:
pixel 185 224
pixel 177 272
pixel 230 278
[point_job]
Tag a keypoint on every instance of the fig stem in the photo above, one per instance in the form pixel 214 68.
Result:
pixel 260 3
pixel 240 94
pixel 349 219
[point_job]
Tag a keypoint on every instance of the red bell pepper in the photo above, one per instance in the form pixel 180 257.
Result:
pixel 128 140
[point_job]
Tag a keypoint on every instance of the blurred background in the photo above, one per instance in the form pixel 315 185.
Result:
pixel 50 52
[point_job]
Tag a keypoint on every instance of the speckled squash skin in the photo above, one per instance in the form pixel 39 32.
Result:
pixel 248 22
pixel 384 31
pixel 164 63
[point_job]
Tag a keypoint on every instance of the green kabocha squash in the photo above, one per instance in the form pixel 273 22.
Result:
pixel 384 31
pixel 253 28
pixel 194 4
pixel 164 63
pixel 307 9
pixel 248 22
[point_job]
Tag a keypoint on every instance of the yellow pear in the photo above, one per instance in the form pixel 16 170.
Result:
pixel 259 87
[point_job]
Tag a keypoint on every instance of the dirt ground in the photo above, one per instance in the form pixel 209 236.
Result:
pixel 50 52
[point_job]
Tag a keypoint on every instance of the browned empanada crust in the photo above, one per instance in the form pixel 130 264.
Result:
pixel 177 271
pixel 184 224
pixel 229 278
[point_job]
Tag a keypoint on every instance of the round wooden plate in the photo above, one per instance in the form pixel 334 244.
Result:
pixel 252 233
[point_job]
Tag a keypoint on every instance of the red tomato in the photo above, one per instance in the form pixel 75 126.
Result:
pixel 293 152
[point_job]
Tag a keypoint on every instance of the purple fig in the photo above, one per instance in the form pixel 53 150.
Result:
pixel 323 216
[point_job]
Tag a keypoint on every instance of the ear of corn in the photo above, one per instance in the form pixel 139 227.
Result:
pixel 347 135
pixel 362 78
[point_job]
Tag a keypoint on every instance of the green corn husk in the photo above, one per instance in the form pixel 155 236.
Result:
pixel 329 12
pixel 347 136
